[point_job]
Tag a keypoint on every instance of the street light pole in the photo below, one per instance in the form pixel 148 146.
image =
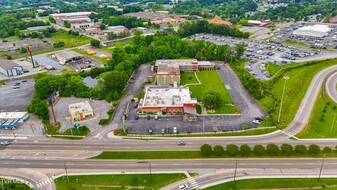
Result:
pixel 284 87
pixel 320 171
pixel 65 167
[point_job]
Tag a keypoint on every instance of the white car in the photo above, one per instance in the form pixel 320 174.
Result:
pixel 182 187
pixel 174 129
pixel 256 121
pixel 5 143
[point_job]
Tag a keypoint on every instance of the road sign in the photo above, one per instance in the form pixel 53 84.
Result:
pixel 30 48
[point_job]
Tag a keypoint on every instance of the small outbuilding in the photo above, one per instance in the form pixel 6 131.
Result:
pixel 9 68
pixel 65 57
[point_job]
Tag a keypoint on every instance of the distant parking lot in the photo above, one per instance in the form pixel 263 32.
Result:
pixel 16 94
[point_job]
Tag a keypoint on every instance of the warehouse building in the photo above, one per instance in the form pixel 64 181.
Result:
pixel 9 68
pixel 65 57
pixel 168 71
pixel 167 100
pixel 80 111
pixel 313 31
pixel 61 16
pixel 11 119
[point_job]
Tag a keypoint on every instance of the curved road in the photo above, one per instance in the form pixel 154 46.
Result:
pixel 331 87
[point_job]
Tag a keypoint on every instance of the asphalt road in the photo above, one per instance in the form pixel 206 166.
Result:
pixel 331 87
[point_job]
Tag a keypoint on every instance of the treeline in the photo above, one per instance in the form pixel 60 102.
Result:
pixel 300 11
pixel 209 8
pixel 245 150
pixel 10 24
pixel 202 26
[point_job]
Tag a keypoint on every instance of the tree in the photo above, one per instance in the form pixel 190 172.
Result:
pixel 259 150
pixel 327 150
pixel 232 150
pixel 212 99
pixel 245 150
pixel 240 49
pixel 300 149
pixel 95 43
pixel 218 150
pixel 66 24
pixel 206 149
pixel 23 50
pixel 287 149
pixel 111 36
pixel 314 149
pixel 137 36
pixel 39 107
pixel 102 26
pixel 51 19
pixel 272 149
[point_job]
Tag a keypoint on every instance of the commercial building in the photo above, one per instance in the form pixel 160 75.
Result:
pixel 61 16
pixel 168 71
pixel 167 100
pixel 65 57
pixel 218 20
pixel 11 119
pixel 313 31
pixel 261 23
pixel 80 111
pixel 9 68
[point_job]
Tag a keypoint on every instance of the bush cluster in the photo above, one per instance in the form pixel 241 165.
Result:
pixel 245 150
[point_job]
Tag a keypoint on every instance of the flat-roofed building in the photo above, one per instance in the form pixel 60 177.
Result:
pixel 9 68
pixel 65 57
pixel 11 119
pixel 80 111
pixel 167 100
pixel 317 30
pixel 168 71
pixel 61 16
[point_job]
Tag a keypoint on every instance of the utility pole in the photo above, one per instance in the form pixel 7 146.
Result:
pixel 236 166
pixel 203 124
pixel 285 82
pixel 320 171
pixel 65 167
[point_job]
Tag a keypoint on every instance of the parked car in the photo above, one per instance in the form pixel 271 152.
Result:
pixel 162 131
pixel 175 130
pixel 256 121
pixel 5 143
pixel 182 187
pixel 150 130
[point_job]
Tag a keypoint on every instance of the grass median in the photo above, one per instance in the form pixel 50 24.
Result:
pixel 117 181
pixel 279 183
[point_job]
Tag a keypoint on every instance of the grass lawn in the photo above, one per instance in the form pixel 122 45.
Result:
pixel 323 120
pixel 210 80
pixel 188 78
pixel 300 76
pixel 296 44
pixel 272 68
pixel 275 183
pixel 118 181
pixel 69 40
pixel 2 83
pixel 95 57
pixel 10 184
pixel 51 130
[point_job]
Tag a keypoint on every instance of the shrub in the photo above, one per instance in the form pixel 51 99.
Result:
pixel 244 127
pixel 287 149
pixel 314 149
pixel 300 149
pixel 58 44
pixel 232 149
pixel 206 149
pixel 218 150
pixel 259 150
pixel 327 149
pixel 95 43
pixel 245 150
pixel 272 149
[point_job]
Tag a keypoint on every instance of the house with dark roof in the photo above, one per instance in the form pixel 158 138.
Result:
pixel 9 68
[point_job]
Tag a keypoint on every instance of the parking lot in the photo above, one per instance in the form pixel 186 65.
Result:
pixel 84 64
pixel 16 97
pixel 101 107
pixel 259 53
pixel 32 127
pixel 248 107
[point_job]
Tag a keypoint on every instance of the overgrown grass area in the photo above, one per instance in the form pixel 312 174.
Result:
pixel 210 80
pixel 69 40
pixel 300 76
pixel 118 181
pixel 323 120
pixel 2 83
pixel 272 68
pixel 95 57
pixel 279 183
pixel 119 44
pixel 9 184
